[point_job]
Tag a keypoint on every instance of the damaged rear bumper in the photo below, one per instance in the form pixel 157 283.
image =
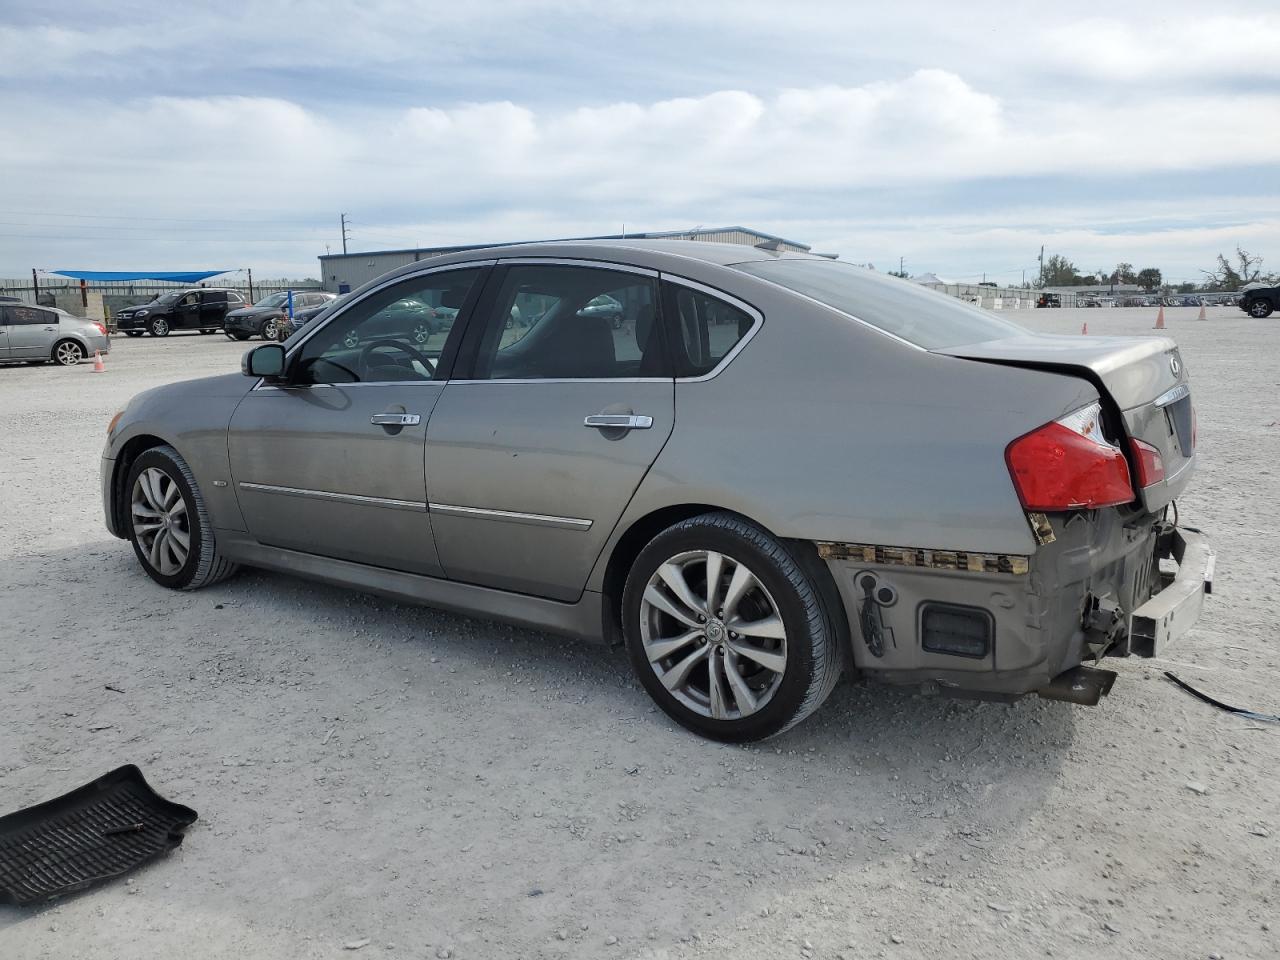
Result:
pixel 1169 614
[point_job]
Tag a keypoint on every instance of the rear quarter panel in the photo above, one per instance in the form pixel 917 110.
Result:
pixel 825 429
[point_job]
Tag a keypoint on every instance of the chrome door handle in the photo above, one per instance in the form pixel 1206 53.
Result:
pixel 618 421
pixel 395 419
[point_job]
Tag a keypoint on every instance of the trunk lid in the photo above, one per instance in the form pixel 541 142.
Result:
pixel 1144 377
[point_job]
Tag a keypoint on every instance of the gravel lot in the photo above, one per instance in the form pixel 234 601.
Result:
pixel 449 787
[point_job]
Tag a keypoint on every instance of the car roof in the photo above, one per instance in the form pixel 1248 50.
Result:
pixel 657 254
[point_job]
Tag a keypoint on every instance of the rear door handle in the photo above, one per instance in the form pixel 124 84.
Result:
pixel 618 421
pixel 395 419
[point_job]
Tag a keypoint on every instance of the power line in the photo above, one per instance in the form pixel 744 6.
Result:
pixel 102 216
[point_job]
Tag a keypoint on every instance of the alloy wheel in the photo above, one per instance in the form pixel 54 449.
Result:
pixel 713 635
pixel 422 332
pixel 160 520
pixel 351 340
pixel 160 328
pixel 68 354
pixel 270 329
pixel 1259 308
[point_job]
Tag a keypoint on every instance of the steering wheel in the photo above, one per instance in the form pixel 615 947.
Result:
pixel 366 355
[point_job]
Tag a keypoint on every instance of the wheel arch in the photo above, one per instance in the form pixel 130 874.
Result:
pixel 130 451
pixel 628 546
pixel 75 338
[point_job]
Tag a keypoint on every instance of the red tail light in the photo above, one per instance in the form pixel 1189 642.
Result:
pixel 101 329
pixel 1150 463
pixel 1069 465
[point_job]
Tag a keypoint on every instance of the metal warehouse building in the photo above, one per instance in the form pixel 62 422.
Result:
pixel 343 272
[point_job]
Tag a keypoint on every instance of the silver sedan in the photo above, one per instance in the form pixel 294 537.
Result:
pixel 48 335
pixel 759 472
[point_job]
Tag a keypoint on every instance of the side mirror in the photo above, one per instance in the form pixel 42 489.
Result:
pixel 265 360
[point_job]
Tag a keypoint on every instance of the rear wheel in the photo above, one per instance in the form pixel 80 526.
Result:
pixel 159 327
pixel 1260 309
pixel 169 525
pixel 67 353
pixel 726 631
pixel 423 331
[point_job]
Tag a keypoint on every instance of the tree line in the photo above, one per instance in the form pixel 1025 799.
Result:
pixel 1228 274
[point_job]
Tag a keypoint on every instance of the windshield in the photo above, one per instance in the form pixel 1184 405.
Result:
pixel 275 300
pixel 166 298
pixel 916 314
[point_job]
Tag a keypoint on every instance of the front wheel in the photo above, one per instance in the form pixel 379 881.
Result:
pixel 169 525
pixel 1260 309
pixel 270 329
pixel 67 353
pixel 726 631
pixel 159 327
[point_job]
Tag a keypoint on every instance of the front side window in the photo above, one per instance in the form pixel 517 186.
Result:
pixel 395 334
pixel 556 322
pixel 702 327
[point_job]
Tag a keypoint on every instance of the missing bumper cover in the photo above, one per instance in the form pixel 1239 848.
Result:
pixel 926 559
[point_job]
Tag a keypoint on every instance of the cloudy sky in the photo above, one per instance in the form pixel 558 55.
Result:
pixel 957 136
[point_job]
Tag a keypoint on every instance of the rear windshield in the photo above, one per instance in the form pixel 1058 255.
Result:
pixel 916 314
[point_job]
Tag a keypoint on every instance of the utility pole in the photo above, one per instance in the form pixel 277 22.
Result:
pixel 342 219
pixel 1024 278
pixel 1042 264
pixel 900 261
pixel 35 288
pixel 251 284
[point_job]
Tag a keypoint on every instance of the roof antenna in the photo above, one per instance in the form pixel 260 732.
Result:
pixel 771 245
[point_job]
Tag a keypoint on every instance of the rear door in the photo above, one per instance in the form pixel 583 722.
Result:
pixel 213 308
pixel 535 451
pixel 186 312
pixel 32 332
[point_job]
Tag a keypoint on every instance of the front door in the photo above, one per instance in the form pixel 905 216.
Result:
pixel 32 332
pixel 331 462
pixel 537 447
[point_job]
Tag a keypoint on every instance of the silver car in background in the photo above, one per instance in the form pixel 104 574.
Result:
pixel 48 335
pixel 758 471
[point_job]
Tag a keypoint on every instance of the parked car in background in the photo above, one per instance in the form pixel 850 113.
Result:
pixel 1088 300
pixel 49 335
pixel 997 513
pixel 263 319
pixel 1259 301
pixel 1049 300
pixel 199 308
pixel 302 317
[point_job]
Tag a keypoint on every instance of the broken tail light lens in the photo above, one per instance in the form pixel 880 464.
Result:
pixel 1069 465
pixel 1149 462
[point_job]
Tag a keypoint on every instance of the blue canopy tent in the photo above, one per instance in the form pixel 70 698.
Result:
pixel 174 276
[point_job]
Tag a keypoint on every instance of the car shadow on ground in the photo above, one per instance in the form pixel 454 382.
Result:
pixel 353 754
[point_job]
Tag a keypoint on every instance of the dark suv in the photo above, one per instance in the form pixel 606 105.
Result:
pixel 202 308
pixel 1260 301
pixel 264 317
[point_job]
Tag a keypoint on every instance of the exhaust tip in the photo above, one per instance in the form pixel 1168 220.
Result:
pixel 1082 685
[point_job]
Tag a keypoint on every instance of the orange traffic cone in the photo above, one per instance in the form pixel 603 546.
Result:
pixel 1084 329
pixel 1160 319
pixel 98 365
pixel 1202 316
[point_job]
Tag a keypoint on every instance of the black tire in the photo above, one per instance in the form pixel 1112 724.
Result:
pixel 269 328
pixel 67 353
pixel 159 327
pixel 1260 309
pixel 813 654
pixel 204 565
pixel 133 333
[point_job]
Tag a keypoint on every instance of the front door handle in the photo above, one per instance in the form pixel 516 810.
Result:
pixel 618 421
pixel 395 419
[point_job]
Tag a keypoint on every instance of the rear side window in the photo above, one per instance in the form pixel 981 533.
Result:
pixel 702 328
pixel 214 296
pixel 916 314
pixel 235 298
pixel 29 316
pixel 560 322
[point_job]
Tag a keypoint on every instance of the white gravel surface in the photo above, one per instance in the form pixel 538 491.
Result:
pixel 397 782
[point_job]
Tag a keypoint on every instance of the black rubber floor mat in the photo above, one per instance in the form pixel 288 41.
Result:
pixel 101 830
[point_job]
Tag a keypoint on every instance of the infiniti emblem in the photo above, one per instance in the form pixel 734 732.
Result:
pixel 1175 364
